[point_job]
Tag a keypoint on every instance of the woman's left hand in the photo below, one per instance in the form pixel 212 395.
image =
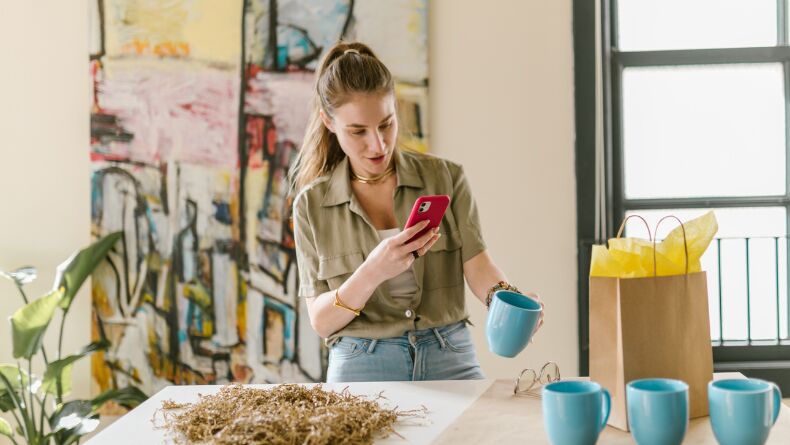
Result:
pixel 535 297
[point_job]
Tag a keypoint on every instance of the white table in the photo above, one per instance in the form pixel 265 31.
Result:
pixel 446 401
pixel 478 412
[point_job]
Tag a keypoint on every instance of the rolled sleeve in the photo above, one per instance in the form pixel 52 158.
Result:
pixel 306 255
pixel 465 211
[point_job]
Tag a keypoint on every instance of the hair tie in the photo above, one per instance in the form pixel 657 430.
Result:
pixel 351 50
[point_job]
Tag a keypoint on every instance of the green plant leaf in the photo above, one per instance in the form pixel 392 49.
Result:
pixel 10 376
pixel 5 428
pixel 11 372
pixel 51 386
pixel 80 408
pixel 21 276
pixel 128 397
pixel 61 369
pixel 10 386
pixel 73 419
pixel 6 402
pixel 75 270
pixel 29 323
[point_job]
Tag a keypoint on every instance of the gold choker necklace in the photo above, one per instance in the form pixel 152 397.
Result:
pixel 373 179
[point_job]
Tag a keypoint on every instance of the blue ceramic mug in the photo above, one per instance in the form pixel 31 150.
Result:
pixel 511 321
pixel 574 412
pixel 742 411
pixel 658 411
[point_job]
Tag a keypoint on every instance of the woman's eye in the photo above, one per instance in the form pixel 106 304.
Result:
pixel 387 125
pixel 358 133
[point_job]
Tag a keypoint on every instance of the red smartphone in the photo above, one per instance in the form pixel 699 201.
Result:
pixel 431 208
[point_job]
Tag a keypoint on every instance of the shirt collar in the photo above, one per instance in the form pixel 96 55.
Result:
pixel 339 184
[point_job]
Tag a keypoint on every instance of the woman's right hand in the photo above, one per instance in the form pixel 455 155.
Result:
pixel 393 255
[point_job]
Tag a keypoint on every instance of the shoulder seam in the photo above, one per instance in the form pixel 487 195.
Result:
pixel 310 187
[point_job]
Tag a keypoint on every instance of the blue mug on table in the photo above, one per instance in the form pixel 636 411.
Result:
pixel 575 412
pixel 511 321
pixel 742 411
pixel 658 411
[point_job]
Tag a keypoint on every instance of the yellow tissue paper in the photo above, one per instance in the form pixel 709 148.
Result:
pixel 634 257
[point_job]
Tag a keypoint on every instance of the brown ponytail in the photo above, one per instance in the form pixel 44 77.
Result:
pixel 347 68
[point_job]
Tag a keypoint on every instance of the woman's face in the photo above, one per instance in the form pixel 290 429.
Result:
pixel 366 127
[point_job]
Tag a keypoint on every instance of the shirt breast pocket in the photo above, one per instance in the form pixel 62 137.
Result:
pixel 443 266
pixel 337 269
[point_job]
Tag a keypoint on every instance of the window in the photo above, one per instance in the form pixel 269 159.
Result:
pixel 696 96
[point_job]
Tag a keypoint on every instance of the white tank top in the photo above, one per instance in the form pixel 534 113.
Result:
pixel 402 287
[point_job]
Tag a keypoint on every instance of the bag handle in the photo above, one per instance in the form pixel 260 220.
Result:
pixel 685 242
pixel 622 227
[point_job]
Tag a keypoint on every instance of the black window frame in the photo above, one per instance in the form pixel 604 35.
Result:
pixel 765 360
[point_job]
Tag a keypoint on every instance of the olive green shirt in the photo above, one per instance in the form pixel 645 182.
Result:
pixel 333 237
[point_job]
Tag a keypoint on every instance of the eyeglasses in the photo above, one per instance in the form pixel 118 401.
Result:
pixel 529 382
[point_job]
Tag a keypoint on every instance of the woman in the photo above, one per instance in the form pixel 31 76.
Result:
pixel 390 310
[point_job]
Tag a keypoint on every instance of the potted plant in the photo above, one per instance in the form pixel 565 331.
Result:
pixel 37 403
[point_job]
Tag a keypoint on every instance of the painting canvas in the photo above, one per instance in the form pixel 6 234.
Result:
pixel 198 108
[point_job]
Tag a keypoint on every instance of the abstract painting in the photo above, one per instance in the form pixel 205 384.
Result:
pixel 198 108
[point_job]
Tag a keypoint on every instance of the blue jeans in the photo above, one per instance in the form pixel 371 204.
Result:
pixel 444 353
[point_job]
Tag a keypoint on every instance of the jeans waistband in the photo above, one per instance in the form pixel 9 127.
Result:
pixel 412 338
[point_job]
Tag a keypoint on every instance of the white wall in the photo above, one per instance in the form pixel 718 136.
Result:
pixel 501 104
pixel 44 160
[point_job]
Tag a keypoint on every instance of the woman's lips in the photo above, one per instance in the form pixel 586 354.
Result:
pixel 377 160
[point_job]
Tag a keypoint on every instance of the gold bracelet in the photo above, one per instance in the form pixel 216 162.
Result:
pixel 502 285
pixel 340 304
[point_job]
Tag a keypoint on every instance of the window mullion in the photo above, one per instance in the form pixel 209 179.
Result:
pixel 781 22
pixel 709 56
pixel 617 166
pixel 609 9
pixel 704 203
pixel 786 67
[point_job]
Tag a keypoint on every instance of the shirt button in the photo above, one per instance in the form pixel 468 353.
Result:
pixel 408 313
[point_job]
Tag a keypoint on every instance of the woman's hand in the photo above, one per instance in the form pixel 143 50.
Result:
pixel 535 297
pixel 393 256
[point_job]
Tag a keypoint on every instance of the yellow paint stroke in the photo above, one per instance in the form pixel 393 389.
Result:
pixel 235 212
pixel 135 26
pixel 409 96
pixel 102 375
pixel 100 299
pixel 166 303
pixel 255 184
pixel 162 49
pixel 241 312
pixel 416 18
pixel 207 30
pixel 153 338
pixel 415 144
pixel 214 30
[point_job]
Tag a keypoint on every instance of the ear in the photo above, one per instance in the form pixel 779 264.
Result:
pixel 327 121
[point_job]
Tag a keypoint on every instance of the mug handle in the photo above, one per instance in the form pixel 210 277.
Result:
pixel 777 402
pixel 607 407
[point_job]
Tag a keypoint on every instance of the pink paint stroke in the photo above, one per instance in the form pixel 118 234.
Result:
pixel 286 97
pixel 179 109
